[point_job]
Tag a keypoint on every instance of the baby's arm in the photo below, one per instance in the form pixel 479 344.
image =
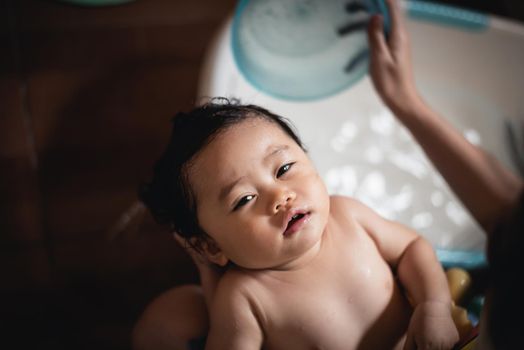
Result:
pixel 485 187
pixel 419 272
pixel 424 280
pixel 233 321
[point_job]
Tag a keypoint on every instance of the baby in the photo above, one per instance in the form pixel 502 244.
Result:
pixel 303 270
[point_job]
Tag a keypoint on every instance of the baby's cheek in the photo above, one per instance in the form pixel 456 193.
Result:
pixel 321 194
pixel 318 186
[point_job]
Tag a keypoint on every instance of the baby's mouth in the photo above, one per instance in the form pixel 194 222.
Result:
pixel 295 222
pixel 294 219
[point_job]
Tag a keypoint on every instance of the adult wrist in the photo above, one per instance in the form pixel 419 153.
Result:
pixel 411 110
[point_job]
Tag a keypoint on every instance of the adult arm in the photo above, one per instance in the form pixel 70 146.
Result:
pixel 484 185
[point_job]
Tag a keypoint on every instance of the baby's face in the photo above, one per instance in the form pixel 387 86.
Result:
pixel 259 196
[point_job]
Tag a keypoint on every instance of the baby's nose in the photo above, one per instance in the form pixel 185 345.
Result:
pixel 283 200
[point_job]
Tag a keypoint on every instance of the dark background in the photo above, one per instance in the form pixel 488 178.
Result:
pixel 85 99
pixel 512 9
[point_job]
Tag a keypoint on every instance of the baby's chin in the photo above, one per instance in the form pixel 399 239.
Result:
pixel 292 247
pixel 306 248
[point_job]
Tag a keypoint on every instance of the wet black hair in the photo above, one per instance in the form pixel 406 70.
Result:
pixel 168 195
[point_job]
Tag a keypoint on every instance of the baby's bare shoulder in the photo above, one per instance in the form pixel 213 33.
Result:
pixel 235 288
pixel 346 206
pixel 349 215
pixel 237 280
pixel 343 216
pixel 339 200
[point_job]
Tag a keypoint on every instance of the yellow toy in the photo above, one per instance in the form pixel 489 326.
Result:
pixel 459 282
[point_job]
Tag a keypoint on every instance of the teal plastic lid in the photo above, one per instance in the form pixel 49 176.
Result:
pixel 303 49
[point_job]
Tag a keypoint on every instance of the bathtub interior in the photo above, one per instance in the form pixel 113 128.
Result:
pixel 471 72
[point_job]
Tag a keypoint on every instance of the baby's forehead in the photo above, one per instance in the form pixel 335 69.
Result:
pixel 239 148
pixel 253 137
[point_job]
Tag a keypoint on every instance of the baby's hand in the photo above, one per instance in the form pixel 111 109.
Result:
pixel 431 327
pixel 390 62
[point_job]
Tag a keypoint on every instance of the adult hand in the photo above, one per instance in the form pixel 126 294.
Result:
pixel 390 62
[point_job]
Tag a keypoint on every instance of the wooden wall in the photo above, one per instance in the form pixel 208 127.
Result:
pixel 86 95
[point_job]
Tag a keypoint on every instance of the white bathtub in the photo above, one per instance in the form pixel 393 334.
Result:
pixel 473 75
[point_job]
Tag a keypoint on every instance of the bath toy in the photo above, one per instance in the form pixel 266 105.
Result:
pixel 462 322
pixel 465 308
pixel 459 282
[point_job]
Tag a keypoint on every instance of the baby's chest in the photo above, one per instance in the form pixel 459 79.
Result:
pixel 330 311
pixel 321 324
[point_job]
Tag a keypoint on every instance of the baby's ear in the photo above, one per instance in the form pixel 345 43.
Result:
pixel 213 252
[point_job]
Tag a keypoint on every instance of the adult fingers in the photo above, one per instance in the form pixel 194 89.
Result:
pixel 376 39
pixel 398 32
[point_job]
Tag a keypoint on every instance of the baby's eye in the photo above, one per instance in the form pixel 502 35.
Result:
pixel 243 201
pixel 284 169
